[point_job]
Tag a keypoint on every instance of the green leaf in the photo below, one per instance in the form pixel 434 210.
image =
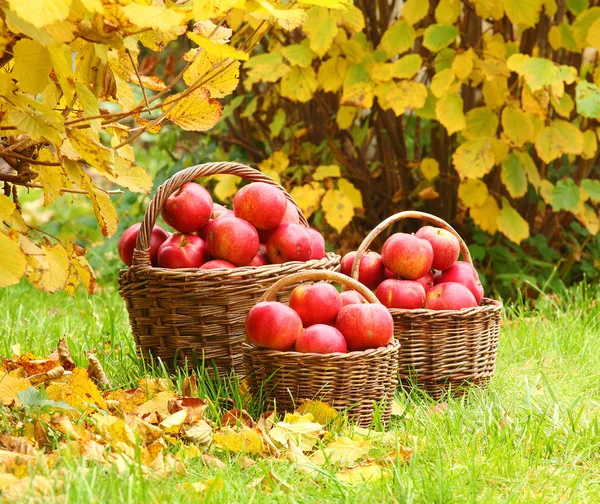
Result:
pixel 565 195
pixel 398 38
pixel 438 36
pixel 587 97
pixel 576 7
pixel 533 175
pixel 34 398
pixel 537 72
pixel 592 189
pixel 511 224
pixel 481 122
pixel 474 158
pixel 298 54
pixel 513 176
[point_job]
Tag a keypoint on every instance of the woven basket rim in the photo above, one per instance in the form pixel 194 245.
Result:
pixel 486 305
pixel 393 346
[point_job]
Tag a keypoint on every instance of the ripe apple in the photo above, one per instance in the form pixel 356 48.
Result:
pixel 449 296
pixel 129 238
pixel 261 258
pixel 371 271
pixel 318 303
pixel 218 211
pixel 365 326
pixel 318 244
pixel 182 251
pixel 289 242
pixel 232 239
pixel 446 248
pixel 407 256
pixel 291 214
pixel 321 338
pixel 273 325
pixel 462 272
pixel 405 294
pixel 352 297
pixel 189 208
pixel 261 204
pixel 426 281
pixel 389 275
pixel 217 263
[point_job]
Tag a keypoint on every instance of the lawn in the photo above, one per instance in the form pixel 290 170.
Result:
pixel 532 436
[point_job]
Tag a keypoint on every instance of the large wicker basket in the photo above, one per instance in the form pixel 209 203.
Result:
pixel 186 316
pixel 354 382
pixel 442 351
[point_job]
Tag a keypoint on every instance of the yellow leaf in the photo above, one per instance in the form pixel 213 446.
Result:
pixel 88 146
pixel 322 412
pixel 287 18
pixel 158 40
pixel 90 105
pixel 489 8
pixel 500 149
pixel 535 103
pixel 359 95
pixel 398 38
pixel 226 186
pixel 51 177
pixel 343 451
pixel 332 73
pixel 302 432
pixel 195 112
pixel 472 192
pixel 172 423
pixel 222 51
pixel 130 176
pixel 474 158
pixel 338 209
pixel 462 65
pixel 324 171
pixel 550 144
pixel 430 168
pixel 61 56
pixel 278 162
pixel 362 474
pixel 238 439
pixel 530 169
pixel 573 137
pixel 546 189
pixel 299 84
pixel 352 192
pixel 41 12
pixel 320 29
pixel 221 80
pixel 406 94
pixel 486 215
pixel 267 67
pixel 298 54
pixel 481 122
pixel 13 264
pixel 447 11
pixel 9 385
pixel 32 66
pixel 415 10
pixel 404 68
pixel 345 117
pixel 495 92
pixel 449 111
pixel 589 218
pixel 153 16
pixel 511 224
pixel 442 82
pixel 590 144
pixel 523 12
pixel 55 277
pixel 11 216
pixel 308 197
pixel 159 404
pixel 81 392
pixel 513 176
pixel 564 106
pixel 517 126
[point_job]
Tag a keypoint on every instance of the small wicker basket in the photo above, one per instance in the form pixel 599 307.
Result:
pixel 184 316
pixel 354 382
pixel 447 350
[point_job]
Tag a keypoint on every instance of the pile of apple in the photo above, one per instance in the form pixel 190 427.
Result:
pixel 263 228
pixel 320 320
pixel 419 271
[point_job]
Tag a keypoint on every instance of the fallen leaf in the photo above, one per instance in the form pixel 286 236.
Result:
pixel 31 364
pixel 63 356
pixel 81 392
pixel 16 444
pixel 294 454
pixel 272 482
pixel 237 417
pixel 53 374
pixel 40 435
pixel 10 387
pixel 39 486
pixel 245 462
pixel 94 451
pixel 299 428
pixel 147 432
pixel 438 408
pixel 95 370
pixel 322 412
pixel 155 385
pixel 238 439
pixel 126 401
pixel 62 423
pixel 403 453
pixel 199 433
pixel 7 479
pixel 343 451
pixel 193 407
pixel 397 408
pixel 158 404
pixel 172 424
pixel 362 474
pixel 266 421
pixel 190 386
pixel 212 461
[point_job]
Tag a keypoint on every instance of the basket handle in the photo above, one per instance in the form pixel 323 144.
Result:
pixel 411 214
pixel 141 254
pixel 318 275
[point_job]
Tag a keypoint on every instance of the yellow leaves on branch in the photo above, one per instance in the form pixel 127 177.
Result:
pixel 195 111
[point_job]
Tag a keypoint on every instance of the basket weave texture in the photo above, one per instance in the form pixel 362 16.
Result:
pixel 355 382
pixel 183 316
pixel 442 351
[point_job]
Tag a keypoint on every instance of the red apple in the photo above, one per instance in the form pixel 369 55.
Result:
pixel 318 303
pixel 437 277
pixel 352 297
pixel 217 263
pixel 128 240
pixel 182 251
pixel 291 215
pixel 426 281
pixel 389 275
pixel 318 244
pixel 446 248
pixel 449 296
pixel 365 326
pixel 370 272
pixel 407 256
pixel 263 234
pixel 321 338
pixel 189 208
pixel 273 325
pixel 218 211
pixel 261 258
pixel 462 272
pixel 232 239
pixel 261 204
pixel 289 242
pixel 405 294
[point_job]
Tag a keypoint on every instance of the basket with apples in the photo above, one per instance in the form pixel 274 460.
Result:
pixel 322 345
pixel 448 331
pixel 188 293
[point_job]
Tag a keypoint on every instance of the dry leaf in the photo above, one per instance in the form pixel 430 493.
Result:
pixel 192 406
pixel 63 356
pixel 31 364
pixel 266 421
pixel 10 387
pixel 397 408
pixel 146 431
pixel 245 462
pixel 322 412
pixel 16 444
pixel 269 445
pixel 158 404
pixel 53 374
pixel 7 479
pixel 126 401
pixel 362 474
pixel 239 439
pixel 298 428
pixel 236 417
pixel 95 370
pixel 429 193
pixel 438 408
pixel 403 453
pixel 273 482
pixel 343 451
pixel 81 392
pixel 212 461
pixel 199 433
pixel 190 386
pixel 94 451
pixel 62 423
pixel 294 454
pixel 39 486
pixel 155 385
pixel 172 424
pixel 40 435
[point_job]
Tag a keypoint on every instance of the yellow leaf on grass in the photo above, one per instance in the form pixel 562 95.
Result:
pixel 352 192
pixel 220 77
pixel 343 451
pixel 308 197
pixel 159 404
pixel 338 209
pixel 41 13
pixel 472 192
pixel 430 168
pixel 299 84
pixel 11 386
pixel 474 158
pixel 517 126
pixel 80 393
pixel 367 473
pixel 485 216
pixel 449 111
pixel 324 171
pixel 322 412
pixel 511 224
pixel 299 429
pixel 550 144
pixel 320 28
pixel 196 111
pixel 14 262
pixel 153 16
pixel 172 424
pixel 238 439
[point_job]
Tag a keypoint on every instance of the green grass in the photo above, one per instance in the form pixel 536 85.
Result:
pixel 533 436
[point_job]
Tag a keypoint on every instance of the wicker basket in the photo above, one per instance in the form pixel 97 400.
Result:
pixel 354 382
pixel 447 350
pixel 183 316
